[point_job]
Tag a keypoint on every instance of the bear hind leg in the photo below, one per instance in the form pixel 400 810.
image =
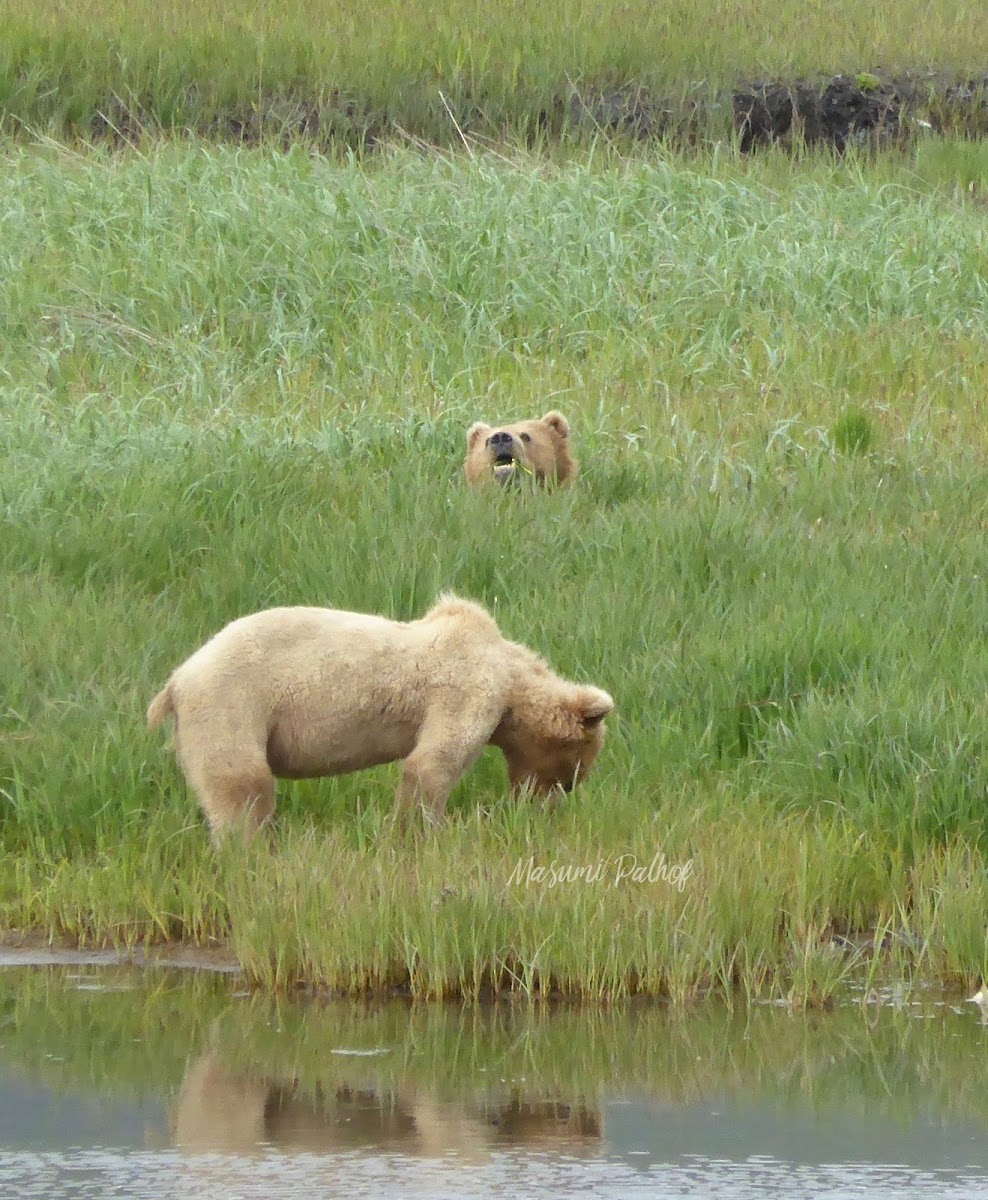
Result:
pixel 241 799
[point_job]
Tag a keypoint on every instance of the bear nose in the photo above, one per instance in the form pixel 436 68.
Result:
pixel 500 441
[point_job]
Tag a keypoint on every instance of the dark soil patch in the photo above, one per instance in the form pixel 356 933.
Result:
pixel 867 109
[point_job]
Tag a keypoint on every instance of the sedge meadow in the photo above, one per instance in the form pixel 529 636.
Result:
pixel 235 377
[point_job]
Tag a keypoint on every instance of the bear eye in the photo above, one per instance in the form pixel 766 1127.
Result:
pixel 526 437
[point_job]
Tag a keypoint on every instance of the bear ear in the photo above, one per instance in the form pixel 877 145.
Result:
pixel 476 431
pixel 557 422
pixel 592 705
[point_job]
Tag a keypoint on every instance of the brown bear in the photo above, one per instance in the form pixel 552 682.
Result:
pixel 300 693
pixel 540 448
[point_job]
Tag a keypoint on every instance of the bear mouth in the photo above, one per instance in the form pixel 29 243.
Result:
pixel 504 459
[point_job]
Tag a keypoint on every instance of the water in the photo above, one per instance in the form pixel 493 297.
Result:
pixel 163 1083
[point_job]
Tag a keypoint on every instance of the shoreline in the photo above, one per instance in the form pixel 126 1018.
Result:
pixel 35 949
pixel 881 972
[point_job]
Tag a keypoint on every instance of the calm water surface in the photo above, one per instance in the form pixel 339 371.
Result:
pixel 164 1083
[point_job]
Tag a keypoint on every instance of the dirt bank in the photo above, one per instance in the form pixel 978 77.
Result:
pixel 866 108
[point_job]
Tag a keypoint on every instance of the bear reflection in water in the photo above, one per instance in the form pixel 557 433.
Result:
pixel 222 1109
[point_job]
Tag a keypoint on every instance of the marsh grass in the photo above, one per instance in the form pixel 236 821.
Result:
pixel 238 379
pixel 350 73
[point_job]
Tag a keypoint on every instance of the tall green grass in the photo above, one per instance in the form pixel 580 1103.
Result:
pixel 232 380
pixel 353 71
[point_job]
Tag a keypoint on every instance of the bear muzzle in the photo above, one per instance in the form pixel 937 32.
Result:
pixel 505 454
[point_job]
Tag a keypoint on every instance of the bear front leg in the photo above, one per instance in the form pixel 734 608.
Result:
pixel 443 753
pixel 423 785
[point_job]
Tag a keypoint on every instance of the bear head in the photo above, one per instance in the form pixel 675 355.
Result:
pixel 538 449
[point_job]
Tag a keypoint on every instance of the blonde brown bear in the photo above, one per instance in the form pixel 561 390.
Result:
pixel 542 448
pixel 300 693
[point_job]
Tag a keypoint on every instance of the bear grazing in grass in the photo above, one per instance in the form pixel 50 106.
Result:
pixel 305 692
pixel 541 448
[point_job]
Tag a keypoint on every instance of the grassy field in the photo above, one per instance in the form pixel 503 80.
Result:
pixel 103 66
pixel 232 379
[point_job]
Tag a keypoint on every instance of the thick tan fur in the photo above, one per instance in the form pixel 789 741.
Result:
pixel 300 693
pixel 504 453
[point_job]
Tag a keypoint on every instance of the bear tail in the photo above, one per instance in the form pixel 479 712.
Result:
pixel 160 706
